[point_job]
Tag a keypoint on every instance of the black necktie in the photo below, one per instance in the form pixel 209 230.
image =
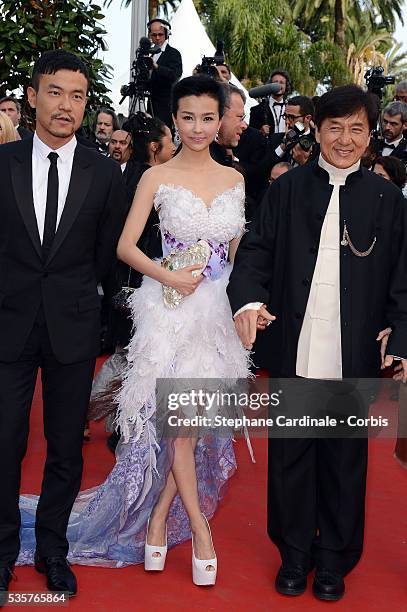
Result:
pixel 51 210
pixel 389 146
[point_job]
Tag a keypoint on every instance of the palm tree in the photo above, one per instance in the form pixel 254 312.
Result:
pixel 367 44
pixel 259 36
pixel 309 13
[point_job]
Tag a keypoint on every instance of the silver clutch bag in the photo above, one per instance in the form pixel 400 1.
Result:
pixel 198 253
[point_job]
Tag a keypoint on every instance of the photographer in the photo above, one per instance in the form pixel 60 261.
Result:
pixel 297 145
pixel 268 116
pixel 166 69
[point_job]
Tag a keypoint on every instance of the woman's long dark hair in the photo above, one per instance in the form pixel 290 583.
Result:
pixel 144 130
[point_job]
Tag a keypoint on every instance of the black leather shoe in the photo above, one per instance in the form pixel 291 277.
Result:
pixel 6 574
pixel 59 575
pixel 291 580
pixel 328 585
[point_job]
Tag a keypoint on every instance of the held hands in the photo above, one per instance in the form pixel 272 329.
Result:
pixel 249 321
pixel 387 360
pixel 183 281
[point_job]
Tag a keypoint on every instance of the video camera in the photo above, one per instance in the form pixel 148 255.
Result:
pixel 140 70
pixel 207 66
pixel 296 135
pixel 376 81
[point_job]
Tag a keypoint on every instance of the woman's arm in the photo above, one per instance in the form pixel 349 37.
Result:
pixel 233 244
pixel 128 251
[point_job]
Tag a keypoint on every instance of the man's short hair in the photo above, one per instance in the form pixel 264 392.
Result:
pixel 232 89
pixel 402 86
pixel 283 164
pixel 345 101
pixel 304 102
pixel 12 99
pixel 57 59
pixel 396 108
pixel 107 111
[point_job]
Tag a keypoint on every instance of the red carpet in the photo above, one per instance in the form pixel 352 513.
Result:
pixel 247 559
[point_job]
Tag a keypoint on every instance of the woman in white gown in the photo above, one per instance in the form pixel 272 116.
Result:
pixel 161 490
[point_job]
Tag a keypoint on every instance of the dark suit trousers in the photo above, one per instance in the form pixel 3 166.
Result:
pixel 66 390
pixel 316 498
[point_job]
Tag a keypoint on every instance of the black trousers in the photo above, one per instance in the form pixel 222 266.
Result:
pixel 316 491
pixel 66 391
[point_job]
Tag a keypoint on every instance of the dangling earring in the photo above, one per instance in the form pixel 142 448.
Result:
pixel 217 134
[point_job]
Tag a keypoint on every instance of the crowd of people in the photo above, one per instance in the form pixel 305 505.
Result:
pixel 298 208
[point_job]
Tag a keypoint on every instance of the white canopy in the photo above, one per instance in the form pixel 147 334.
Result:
pixel 190 38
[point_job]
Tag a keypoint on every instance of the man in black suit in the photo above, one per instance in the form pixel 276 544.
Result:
pixel 62 212
pixel 12 108
pixel 166 70
pixel 267 116
pixel 324 231
pixel 394 123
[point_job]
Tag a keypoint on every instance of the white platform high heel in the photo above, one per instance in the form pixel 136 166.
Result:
pixel 152 562
pixel 201 576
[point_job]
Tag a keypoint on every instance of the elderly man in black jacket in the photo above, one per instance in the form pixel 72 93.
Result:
pixel 327 257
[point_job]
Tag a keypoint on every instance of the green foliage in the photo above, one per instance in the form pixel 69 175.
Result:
pixel 30 27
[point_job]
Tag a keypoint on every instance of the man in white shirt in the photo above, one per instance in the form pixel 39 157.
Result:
pixel 327 256
pixel 268 116
pixel 63 207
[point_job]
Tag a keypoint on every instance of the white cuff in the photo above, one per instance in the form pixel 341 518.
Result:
pixel 279 151
pixel 250 306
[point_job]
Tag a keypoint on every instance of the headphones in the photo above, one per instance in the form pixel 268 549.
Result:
pixel 165 24
pixel 289 86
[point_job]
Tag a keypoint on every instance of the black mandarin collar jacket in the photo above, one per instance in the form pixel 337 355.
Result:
pixel 276 259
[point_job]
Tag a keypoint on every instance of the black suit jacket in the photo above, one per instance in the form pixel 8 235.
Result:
pixel 24 133
pixel 262 115
pixel 162 79
pixel 65 285
pixel 276 259
pixel 400 151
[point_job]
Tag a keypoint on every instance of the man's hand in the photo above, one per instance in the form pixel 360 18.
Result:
pixel 264 318
pixel 247 323
pixel 383 338
pixel 300 156
pixel 400 369
pixel 265 130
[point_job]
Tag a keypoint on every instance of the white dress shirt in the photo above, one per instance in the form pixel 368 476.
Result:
pixel 389 150
pixel 40 168
pixel 278 110
pixel 319 351
pixel 156 56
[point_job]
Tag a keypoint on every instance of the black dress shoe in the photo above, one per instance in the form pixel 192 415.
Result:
pixel 6 574
pixel 291 580
pixel 59 575
pixel 328 585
